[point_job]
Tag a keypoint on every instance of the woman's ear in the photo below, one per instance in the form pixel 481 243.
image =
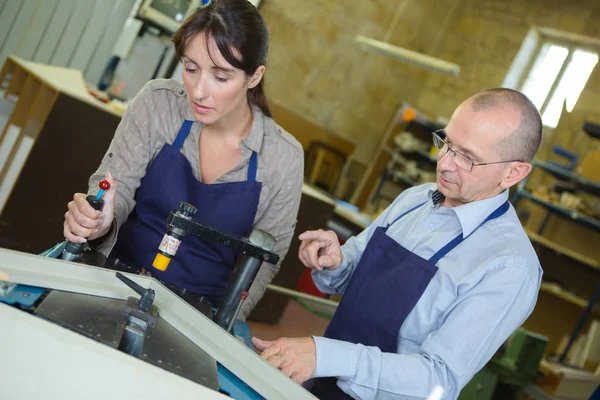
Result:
pixel 255 79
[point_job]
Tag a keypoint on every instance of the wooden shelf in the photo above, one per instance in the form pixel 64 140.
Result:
pixel 569 297
pixel 563 250
pixel 427 156
pixel 581 183
pixel 584 220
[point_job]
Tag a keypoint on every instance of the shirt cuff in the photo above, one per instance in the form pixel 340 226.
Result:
pixel 327 277
pixel 104 244
pixel 335 358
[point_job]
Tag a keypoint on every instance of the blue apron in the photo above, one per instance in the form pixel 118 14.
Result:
pixel 200 267
pixel 387 274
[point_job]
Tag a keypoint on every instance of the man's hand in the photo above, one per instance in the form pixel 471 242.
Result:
pixel 320 249
pixel 296 358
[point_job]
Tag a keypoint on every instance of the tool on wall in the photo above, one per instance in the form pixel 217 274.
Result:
pixel 73 251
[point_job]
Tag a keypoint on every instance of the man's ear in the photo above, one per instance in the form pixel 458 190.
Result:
pixel 255 79
pixel 517 172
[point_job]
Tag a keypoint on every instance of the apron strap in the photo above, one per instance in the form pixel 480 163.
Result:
pixel 252 167
pixel 459 239
pixel 184 131
pixel 403 214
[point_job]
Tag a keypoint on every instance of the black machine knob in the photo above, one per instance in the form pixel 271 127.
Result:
pixel 146 295
pixel 187 209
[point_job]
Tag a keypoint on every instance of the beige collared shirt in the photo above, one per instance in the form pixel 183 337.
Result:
pixel 154 118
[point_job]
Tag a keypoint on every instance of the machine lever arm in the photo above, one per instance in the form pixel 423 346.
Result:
pixel 146 295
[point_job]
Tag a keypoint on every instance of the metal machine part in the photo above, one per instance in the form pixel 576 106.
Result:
pixel 32 270
pixel 21 295
pixel 73 251
pixel 180 224
pixel 148 337
pixel 241 280
pixel 67 364
pixel 253 252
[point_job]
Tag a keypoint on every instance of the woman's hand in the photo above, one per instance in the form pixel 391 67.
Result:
pixel 83 223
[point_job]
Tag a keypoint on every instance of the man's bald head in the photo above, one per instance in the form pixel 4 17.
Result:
pixel 524 142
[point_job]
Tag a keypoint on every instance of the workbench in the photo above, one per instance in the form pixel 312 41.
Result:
pixel 71 361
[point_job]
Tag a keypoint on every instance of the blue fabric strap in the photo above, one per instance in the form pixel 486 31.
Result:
pixel 459 239
pixel 184 131
pixel 402 215
pixel 252 167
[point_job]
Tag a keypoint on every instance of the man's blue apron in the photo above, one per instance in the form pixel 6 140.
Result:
pixel 200 267
pixel 385 286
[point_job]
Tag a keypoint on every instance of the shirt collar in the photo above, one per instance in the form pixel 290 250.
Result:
pixel 471 215
pixel 257 131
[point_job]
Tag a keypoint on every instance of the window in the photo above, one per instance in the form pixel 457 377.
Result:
pixel 551 69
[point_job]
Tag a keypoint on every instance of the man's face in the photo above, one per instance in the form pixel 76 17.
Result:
pixel 476 134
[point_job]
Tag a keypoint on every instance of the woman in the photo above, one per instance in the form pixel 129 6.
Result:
pixel 210 142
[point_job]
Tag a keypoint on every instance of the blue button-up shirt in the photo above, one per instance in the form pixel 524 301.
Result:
pixel 484 290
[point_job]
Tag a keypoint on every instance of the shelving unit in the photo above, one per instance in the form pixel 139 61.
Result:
pixel 586 261
pixel 582 183
pixel 421 128
pixel 586 221
pixel 589 275
pixel 426 156
pixel 406 118
pixel 556 290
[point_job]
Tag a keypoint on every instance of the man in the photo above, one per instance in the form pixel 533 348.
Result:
pixel 439 281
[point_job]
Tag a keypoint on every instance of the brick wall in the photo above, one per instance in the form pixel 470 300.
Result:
pixel 318 70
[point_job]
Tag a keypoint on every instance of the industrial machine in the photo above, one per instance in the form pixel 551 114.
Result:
pixel 514 366
pixel 74 328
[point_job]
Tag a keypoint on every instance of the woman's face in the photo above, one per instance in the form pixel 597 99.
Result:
pixel 216 90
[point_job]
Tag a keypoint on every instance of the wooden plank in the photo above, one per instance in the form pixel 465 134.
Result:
pixel 562 249
pixel 563 294
pixel 590 351
pixel 67 80
pixel 73 31
pixel 6 74
pixel 42 105
pixel 54 30
pixel 19 27
pixel 16 82
pixel 26 99
pixel 19 117
pixel 15 85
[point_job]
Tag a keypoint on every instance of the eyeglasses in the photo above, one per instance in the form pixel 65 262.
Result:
pixel 460 159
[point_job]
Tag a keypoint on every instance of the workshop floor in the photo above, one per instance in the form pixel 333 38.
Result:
pixel 296 321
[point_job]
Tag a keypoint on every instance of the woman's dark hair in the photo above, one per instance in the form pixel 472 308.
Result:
pixel 235 25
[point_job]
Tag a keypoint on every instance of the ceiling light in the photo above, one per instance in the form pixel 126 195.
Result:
pixel 408 56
